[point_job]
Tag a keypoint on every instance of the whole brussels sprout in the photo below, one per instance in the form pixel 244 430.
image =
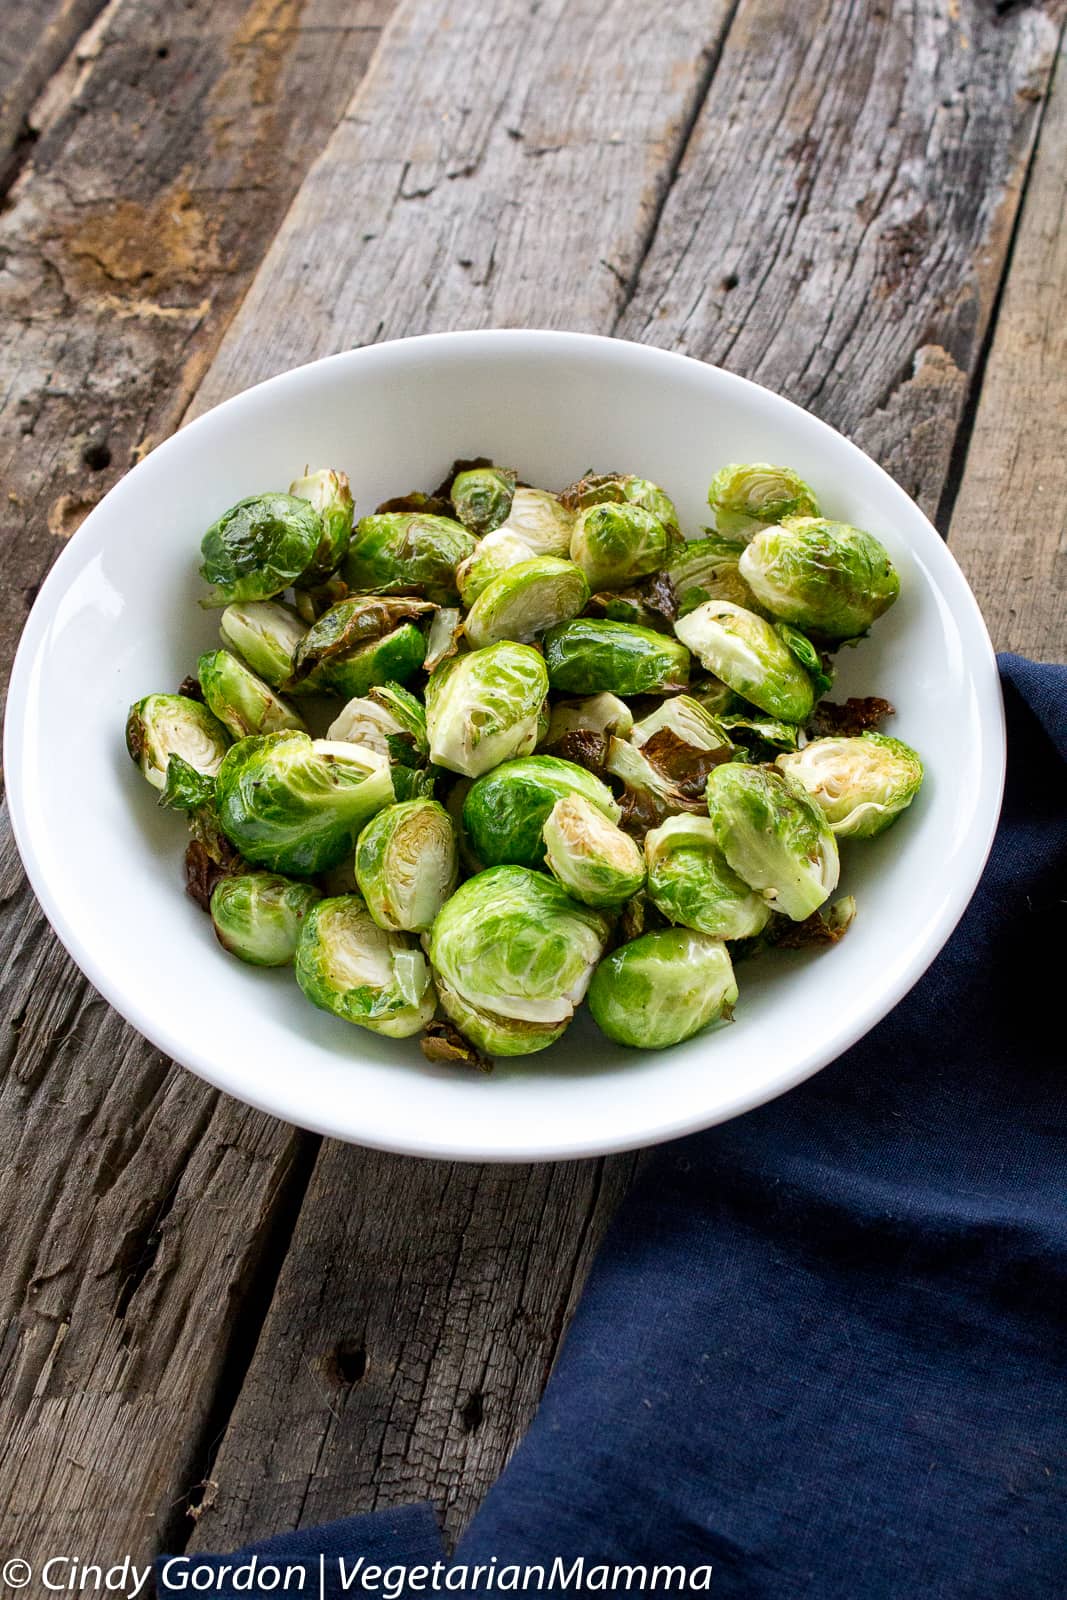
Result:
pixel 525 600
pixel 826 577
pixel 259 547
pixel 596 713
pixel 257 916
pixel 662 988
pixel 294 804
pixel 497 553
pixel 388 719
pixel 266 635
pixel 506 810
pixel 745 499
pixel 512 946
pixel 481 497
pixel 407 864
pixel 593 859
pixel 330 494
pixel 587 656
pixel 746 653
pixel 165 725
pixel 707 569
pixel 774 837
pixel 241 700
pixel 485 707
pixel 616 544
pixel 364 974
pixel 861 785
pixel 623 488
pixel 690 882
pixel 541 521
pixel 405 552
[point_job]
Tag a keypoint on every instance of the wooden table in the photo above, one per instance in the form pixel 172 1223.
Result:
pixel 213 1326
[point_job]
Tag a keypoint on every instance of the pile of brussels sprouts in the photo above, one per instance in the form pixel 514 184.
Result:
pixel 495 750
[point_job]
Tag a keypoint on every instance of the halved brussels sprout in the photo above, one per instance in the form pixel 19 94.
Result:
pixel 362 641
pixel 294 804
pixel 241 700
pixel 481 497
pixel 164 725
pixel 330 494
pixel 525 600
pixel 623 488
pixel 826 577
pixel 592 858
pixel 266 635
pixel 407 864
pixel 364 974
pixel 774 837
pixel 596 713
pixel 405 552
pixel 746 653
pixel 861 785
pixel 587 656
pixel 690 881
pixel 388 719
pixel 745 499
pixel 511 946
pixel 616 544
pixel 257 916
pixel 541 521
pixel 497 553
pixel 662 988
pixel 506 810
pixel 706 569
pixel 687 719
pixel 259 547
pixel 485 707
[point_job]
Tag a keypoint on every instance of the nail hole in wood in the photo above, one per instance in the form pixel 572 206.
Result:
pixel 471 1412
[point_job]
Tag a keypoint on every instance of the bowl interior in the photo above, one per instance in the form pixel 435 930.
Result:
pixel 118 618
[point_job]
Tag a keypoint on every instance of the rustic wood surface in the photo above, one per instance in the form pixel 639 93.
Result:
pixel 196 1303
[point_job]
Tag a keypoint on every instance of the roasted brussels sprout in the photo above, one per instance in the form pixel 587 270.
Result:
pixel 690 882
pixel 800 647
pixel 496 554
pixel 407 864
pixel 541 521
pixel 259 547
pixel 485 707
pixel 506 810
pixel 294 804
pixel 364 974
pixel 266 635
pixel 186 789
pixel 746 653
pixel 662 988
pixel 650 791
pixel 513 954
pixel 257 916
pixel 774 837
pixel 616 544
pixel 525 600
pixel 481 498
pixel 388 719
pixel 745 499
pixel 360 642
pixel 622 488
pixel 596 713
pixel 759 734
pixel 589 855
pixel 164 725
pixel 861 785
pixel 241 700
pixel 404 552
pixel 331 496
pixel 588 656
pixel 689 722
pixel 706 569
pixel 825 577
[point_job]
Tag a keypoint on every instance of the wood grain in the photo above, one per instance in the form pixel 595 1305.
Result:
pixel 36 36
pixel 832 303
pixel 1009 525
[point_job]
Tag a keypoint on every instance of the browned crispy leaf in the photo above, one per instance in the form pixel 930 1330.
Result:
pixel 683 764
pixel 585 748
pixel 430 505
pixel 825 926
pixel 444 488
pixel 360 620
pixel 639 916
pixel 442 1041
pixel 660 596
pixel 202 873
pixel 190 688
pixel 854 717
pixel 592 489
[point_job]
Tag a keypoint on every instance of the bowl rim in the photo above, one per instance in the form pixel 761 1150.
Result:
pixel 980 663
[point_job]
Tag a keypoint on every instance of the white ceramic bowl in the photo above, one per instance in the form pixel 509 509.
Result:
pixel 118 618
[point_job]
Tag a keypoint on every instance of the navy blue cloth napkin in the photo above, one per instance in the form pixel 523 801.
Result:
pixel 823 1349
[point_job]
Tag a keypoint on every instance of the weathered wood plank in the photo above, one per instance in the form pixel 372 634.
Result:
pixel 462 227
pixel 36 36
pixel 138 1209
pixel 841 216
pixel 1009 525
